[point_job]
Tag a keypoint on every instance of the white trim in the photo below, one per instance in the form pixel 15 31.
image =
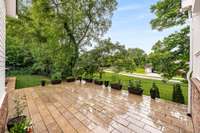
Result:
pixel 197 53
pixel 2 99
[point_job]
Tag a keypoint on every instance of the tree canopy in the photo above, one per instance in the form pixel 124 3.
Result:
pixel 167 14
pixel 170 56
pixel 55 31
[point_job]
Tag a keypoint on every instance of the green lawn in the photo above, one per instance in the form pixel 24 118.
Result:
pixel 24 81
pixel 27 80
pixel 139 70
pixel 164 88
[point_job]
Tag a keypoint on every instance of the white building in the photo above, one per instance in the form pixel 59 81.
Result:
pixel 7 7
pixel 193 8
pixel 2 51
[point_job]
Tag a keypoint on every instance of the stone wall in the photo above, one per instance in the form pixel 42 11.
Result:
pixel 196 104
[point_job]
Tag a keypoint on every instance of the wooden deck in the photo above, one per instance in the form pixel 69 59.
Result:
pixel 72 108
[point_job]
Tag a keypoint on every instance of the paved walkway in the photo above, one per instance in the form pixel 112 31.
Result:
pixel 71 107
pixel 151 76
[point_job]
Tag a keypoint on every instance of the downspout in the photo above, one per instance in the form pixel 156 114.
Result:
pixel 190 67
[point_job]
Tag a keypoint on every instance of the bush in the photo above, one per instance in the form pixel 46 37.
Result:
pixel 56 76
pixel 154 91
pixel 21 127
pixel 135 87
pixel 138 85
pixel 131 84
pixel 177 95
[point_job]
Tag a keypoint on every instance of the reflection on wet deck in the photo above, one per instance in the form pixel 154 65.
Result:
pixel 71 107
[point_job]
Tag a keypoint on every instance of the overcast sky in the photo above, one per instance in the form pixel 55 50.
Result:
pixel 130 25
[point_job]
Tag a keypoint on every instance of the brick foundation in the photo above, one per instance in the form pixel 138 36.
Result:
pixel 196 104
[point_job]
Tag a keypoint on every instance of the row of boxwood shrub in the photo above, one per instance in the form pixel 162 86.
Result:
pixel 134 87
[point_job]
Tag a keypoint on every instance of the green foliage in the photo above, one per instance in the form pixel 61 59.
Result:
pixel 25 81
pixel 135 85
pixel 138 56
pixel 48 36
pixel 139 70
pixel 114 78
pixel 17 51
pixel 165 89
pixel 106 55
pixel 21 127
pixel 170 56
pixel 177 95
pixel 56 76
pixel 167 14
pixel 155 90
pixel 131 84
pixel 138 85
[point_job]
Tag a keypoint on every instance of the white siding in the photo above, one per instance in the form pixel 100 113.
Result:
pixel 2 50
pixel 196 43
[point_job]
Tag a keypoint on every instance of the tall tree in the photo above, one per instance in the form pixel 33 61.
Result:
pixel 57 30
pixel 167 14
pixel 171 55
pixel 138 55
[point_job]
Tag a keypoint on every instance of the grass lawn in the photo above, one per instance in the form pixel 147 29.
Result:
pixel 24 81
pixel 165 89
pixel 139 70
pixel 27 80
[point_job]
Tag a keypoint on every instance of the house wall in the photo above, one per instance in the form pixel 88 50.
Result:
pixel 196 40
pixel 2 51
pixel 196 104
pixel 196 65
pixel 3 96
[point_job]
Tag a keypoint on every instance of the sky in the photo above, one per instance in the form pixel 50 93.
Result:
pixel 131 25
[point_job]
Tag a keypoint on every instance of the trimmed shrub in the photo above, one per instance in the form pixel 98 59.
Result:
pixel 56 76
pixel 154 91
pixel 177 95
pixel 135 87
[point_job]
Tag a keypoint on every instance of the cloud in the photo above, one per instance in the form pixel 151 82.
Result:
pixel 129 8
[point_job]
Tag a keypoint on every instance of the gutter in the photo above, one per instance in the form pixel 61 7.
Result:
pixel 189 74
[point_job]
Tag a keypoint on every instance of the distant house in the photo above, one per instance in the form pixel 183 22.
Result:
pixel 148 68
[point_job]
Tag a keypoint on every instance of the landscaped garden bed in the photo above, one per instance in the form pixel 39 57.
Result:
pixel 55 82
pixel 98 82
pixel 71 79
pixel 88 80
pixel 166 89
pixel 135 88
pixel 56 78
pixel 116 86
